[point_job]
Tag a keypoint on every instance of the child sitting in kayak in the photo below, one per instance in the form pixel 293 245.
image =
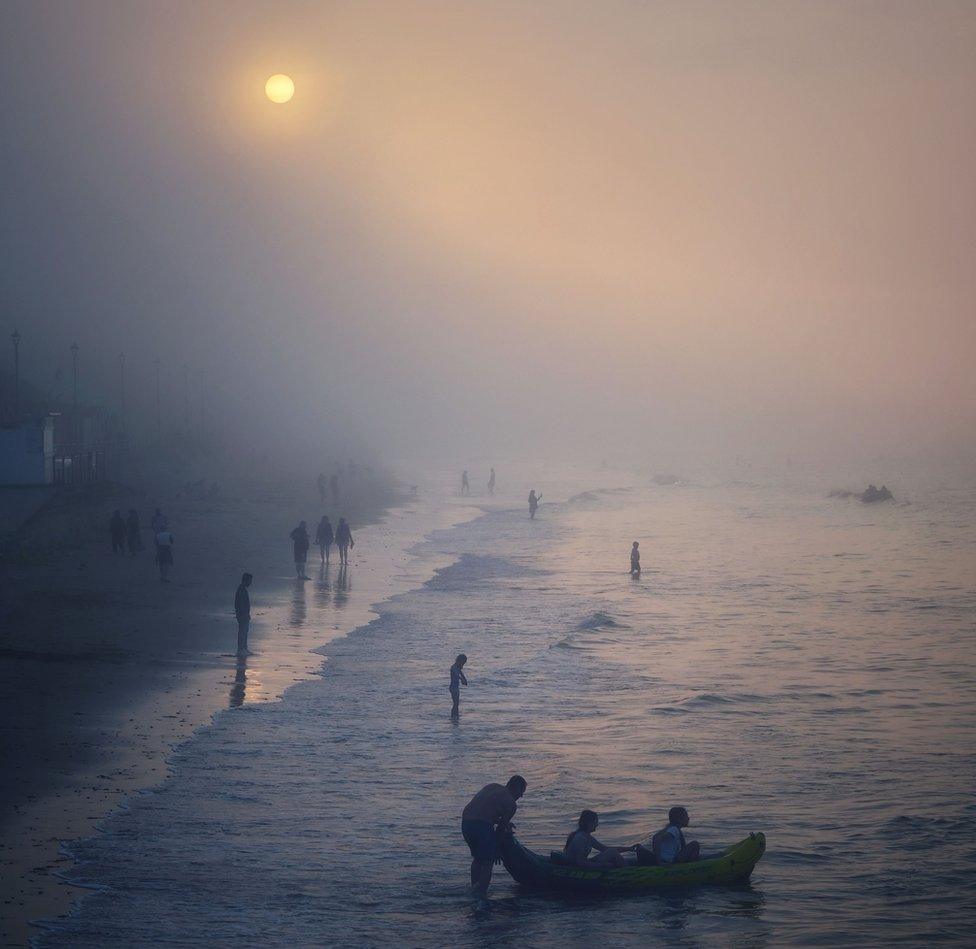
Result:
pixel 581 841
pixel 669 845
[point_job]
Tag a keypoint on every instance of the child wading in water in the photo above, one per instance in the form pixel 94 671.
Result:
pixel 457 680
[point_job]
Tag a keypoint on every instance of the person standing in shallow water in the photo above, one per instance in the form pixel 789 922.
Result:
pixel 534 500
pixel 635 560
pixel 324 538
pixel 299 538
pixel 457 680
pixel 491 482
pixel 343 539
pixel 465 484
pixel 492 807
pixel 242 610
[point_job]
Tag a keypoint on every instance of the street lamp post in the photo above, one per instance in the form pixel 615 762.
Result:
pixel 159 424
pixel 74 369
pixel 15 337
pixel 186 398
pixel 122 388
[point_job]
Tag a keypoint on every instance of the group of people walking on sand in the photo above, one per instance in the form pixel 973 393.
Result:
pixel 126 534
pixel 491 810
pixel 325 537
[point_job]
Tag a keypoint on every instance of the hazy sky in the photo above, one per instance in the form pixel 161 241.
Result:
pixel 628 227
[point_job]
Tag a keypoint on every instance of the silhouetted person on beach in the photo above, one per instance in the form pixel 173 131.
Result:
pixel 164 553
pixel 242 610
pixel 465 485
pixel 321 486
pixel 299 538
pixel 457 680
pixel 334 485
pixel 491 482
pixel 635 560
pixel 324 538
pixel 343 539
pixel 133 532
pixel 492 807
pixel 158 522
pixel 534 500
pixel 116 527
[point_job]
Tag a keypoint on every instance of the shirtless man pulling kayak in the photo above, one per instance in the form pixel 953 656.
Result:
pixel 491 808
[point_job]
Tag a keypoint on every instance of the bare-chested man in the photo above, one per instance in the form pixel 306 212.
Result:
pixel 492 807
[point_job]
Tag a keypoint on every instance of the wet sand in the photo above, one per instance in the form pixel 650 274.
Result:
pixel 103 669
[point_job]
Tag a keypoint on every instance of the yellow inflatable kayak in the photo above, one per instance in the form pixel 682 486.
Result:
pixel 733 865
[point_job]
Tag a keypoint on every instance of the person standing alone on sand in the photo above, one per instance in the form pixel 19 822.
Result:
pixel 343 539
pixel 534 500
pixel 324 537
pixel 299 538
pixel 491 482
pixel 242 610
pixel 457 680
pixel 116 527
pixel 635 560
pixel 492 807
pixel 164 553
pixel 465 484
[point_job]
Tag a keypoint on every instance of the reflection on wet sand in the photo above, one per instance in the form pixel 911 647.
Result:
pixel 323 587
pixel 342 587
pixel 298 611
pixel 239 686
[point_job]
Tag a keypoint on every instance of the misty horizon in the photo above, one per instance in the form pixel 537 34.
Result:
pixel 665 230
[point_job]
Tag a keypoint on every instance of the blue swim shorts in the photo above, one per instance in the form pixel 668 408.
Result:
pixel 480 838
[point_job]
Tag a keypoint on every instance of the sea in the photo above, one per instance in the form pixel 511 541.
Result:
pixel 788 662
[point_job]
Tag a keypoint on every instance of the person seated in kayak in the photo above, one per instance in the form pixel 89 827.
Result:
pixel 581 841
pixel 668 845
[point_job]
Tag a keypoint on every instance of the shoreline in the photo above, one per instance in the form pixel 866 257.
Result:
pixel 128 698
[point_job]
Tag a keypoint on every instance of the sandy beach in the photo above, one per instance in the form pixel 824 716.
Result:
pixel 103 669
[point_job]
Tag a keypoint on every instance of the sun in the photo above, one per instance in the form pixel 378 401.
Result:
pixel 279 88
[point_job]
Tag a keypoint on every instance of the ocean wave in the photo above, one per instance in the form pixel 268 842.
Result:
pixel 600 620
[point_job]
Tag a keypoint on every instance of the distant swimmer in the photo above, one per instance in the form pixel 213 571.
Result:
pixel 299 538
pixel 669 845
pixel 534 500
pixel 491 482
pixel 343 539
pixel 457 680
pixel 493 807
pixel 324 538
pixel 635 560
pixel 242 610
pixel 465 485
